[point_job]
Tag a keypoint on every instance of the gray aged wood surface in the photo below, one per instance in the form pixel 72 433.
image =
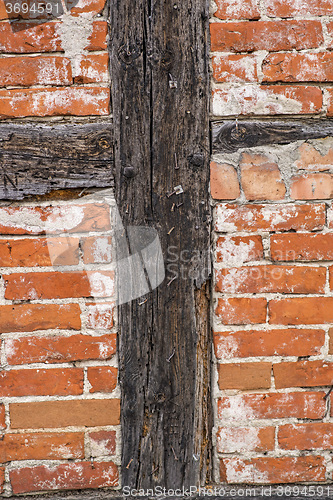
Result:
pixel 36 159
pixel 229 136
pixel 160 95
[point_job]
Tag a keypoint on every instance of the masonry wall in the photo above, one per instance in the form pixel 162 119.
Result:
pixel 273 244
pixel 59 400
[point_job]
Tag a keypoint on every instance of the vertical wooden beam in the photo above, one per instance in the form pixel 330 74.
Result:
pixel 160 100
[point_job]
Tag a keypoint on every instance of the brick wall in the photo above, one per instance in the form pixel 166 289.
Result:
pixel 59 400
pixel 273 221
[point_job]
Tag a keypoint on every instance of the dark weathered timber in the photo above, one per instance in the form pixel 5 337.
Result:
pixel 36 159
pixel 160 93
pixel 229 136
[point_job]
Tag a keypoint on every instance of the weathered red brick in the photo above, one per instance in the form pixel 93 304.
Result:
pixel 235 68
pixel 28 37
pixel 39 252
pixel 39 382
pixel 241 9
pixel 261 178
pixel 298 311
pixel 312 436
pixel 312 159
pixel 55 219
pixel 59 349
pixel 96 249
pixel 53 285
pixel 75 101
pixel 41 446
pixel 268 100
pixel 288 8
pixel 54 414
pixel 271 278
pixel 2 478
pixel 32 317
pixel 286 342
pixel 303 374
pixel 28 71
pixel 86 6
pixel 266 35
pixel 312 187
pixel 271 470
pixel 296 67
pixel 234 250
pixel 100 315
pixel 102 443
pixel 302 247
pixel 2 417
pixel 73 476
pixel 102 378
pixel 272 405
pixel 240 439
pixel 93 68
pixel 231 218
pixel 244 376
pixel 241 311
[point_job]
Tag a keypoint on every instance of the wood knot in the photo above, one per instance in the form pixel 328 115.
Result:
pixel 129 172
pixel 197 159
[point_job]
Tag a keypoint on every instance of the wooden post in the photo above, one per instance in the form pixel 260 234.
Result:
pixel 160 98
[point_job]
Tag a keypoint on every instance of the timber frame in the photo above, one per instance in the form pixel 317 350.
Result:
pixel 158 139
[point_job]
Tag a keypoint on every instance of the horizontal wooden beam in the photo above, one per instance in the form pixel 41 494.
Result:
pixel 36 159
pixel 229 136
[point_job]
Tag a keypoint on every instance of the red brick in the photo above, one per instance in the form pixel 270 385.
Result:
pixel 235 68
pixel 312 159
pixel 266 35
pixel 41 446
pixel 297 67
pixel 271 470
pixel 272 405
pixel 268 100
pixel 241 311
pixel 244 376
pixel 32 317
pixel 289 8
pixel 298 311
pixel 302 247
pixel 231 218
pixel 260 178
pixel 55 219
pixel 240 439
pixel 2 417
pixel 74 476
pixel 57 101
pixel 303 374
pixel 53 285
pixel 102 378
pixel 100 316
pixel 86 6
pixel 39 252
pixel 102 443
pixel 270 279
pixel 93 68
pixel 38 382
pixel 223 181
pixel 55 414
pixel 241 9
pixel 312 436
pixel 330 217
pixel 239 249
pixel 2 478
pixel 97 249
pixel 59 349
pixel 28 37
pixel 329 101
pixel 330 349
pixel 248 343
pixel 312 187
pixel 27 71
